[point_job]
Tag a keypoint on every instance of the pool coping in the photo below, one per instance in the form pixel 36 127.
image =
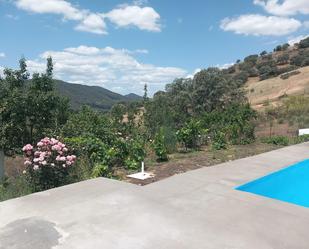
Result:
pixel 196 209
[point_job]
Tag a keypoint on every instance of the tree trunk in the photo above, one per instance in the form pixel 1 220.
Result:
pixel 1 164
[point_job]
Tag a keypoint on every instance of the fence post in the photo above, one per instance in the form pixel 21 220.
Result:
pixel 1 164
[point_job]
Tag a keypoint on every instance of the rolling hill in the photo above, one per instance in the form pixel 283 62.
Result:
pixel 272 91
pixel 94 96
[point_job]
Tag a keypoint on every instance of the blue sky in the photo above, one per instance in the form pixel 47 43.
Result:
pixel 121 45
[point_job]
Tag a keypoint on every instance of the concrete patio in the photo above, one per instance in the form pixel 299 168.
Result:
pixel 195 210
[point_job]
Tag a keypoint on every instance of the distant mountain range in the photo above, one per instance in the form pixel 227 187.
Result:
pixel 93 96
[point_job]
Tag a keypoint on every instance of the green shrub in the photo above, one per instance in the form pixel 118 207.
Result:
pixel 301 139
pixel 160 147
pixel 136 154
pixel 101 170
pixel 276 140
pixel 219 141
pixel 190 134
pixel 14 187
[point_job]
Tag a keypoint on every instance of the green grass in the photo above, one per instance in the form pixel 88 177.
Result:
pixel 14 187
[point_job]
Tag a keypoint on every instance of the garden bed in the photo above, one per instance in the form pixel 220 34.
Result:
pixel 205 157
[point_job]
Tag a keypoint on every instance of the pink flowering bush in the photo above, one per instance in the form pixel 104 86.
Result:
pixel 48 163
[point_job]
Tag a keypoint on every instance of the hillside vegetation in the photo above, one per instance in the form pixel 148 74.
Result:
pixel 272 92
pixel 96 97
pixel 209 112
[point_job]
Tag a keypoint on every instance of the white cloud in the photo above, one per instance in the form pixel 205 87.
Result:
pixel 285 7
pixel 293 40
pixel 145 18
pixel 225 66
pixel 115 69
pixel 260 25
pixel 93 23
pixel 2 55
pixel 306 24
pixel 140 2
pixel 60 7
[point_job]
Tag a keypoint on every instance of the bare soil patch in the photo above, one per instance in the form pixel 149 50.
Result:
pixel 206 157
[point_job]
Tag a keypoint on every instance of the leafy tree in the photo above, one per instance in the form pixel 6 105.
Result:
pixel 88 122
pixel 304 43
pixel 190 134
pixel 29 109
pixel 213 90
pixel 263 53
pixel 283 59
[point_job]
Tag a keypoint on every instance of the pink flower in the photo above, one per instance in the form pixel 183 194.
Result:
pixel 54 141
pixel 35 167
pixel 60 158
pixel 27 147
pixel 37 153
pixel 40 144
pixel 27 163
pixel 56 147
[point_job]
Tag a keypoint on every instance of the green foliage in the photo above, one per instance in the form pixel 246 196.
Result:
pixel 190 134
pixel 276 140
pixel 29 109
pixel 251 59
pixel 304 43
pixel 301 59
pixel 295 110
pixel 89 122
pixel 283 59
pixel 101 170
pixel 213 90
pixel 136 154
pixel 14 187
pixel 301 139
pixel 219 140
pixel 236 122
pixel 98 98
pixel 159 146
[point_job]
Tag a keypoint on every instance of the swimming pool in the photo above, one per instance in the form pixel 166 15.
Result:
pixel 290 184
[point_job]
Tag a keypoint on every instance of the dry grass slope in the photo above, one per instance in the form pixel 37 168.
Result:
pixel 272 90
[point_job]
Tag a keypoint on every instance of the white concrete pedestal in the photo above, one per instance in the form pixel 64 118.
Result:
pixel 141 175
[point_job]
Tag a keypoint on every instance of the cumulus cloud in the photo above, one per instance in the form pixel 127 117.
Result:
pixel 306 24
pixel 60 7
pixel 145 18
pixel 260 25
pixel 297 39
pixel 93 23
pixel 115 69
pixel 2 55
pixel 285 7
pixel 224 66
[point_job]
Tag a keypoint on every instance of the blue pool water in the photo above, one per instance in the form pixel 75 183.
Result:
pixel 290 184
